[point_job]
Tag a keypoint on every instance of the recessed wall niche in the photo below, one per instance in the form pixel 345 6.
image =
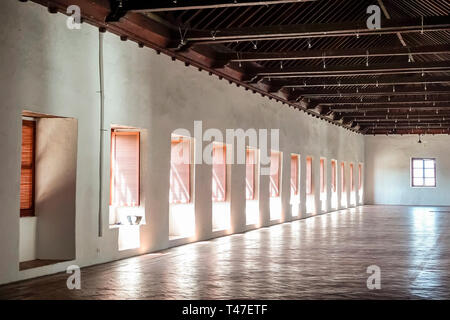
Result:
pixel 47 230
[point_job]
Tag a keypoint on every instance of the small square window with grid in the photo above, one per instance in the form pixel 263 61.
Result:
pixel 423 172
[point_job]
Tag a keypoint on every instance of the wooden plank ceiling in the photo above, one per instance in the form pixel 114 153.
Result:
pixel 313 55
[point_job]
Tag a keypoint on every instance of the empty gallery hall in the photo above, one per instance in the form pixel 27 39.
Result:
pixel 284 149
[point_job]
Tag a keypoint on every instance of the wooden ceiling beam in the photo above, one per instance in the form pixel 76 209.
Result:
pixel 337 70
pixel 170 5
pixel 381 101
pixel 252 78
pixel 408 126
pixel 334 53
pixel 378 82
pixel 443 114
pixel 419 120
pixel 319 30
pixel 405 132
pixel 388 16
pixel 371 92
pixel 420 107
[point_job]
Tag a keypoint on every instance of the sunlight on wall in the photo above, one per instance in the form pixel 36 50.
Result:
pixel 181 220
pixel 334 200
pixel 295 208
pixel 310 204
pixel 275 208
pixel 344 202
pixel 252 212
pixel 221 216
pixel 353 198
pixel 129 237
pixel 323 201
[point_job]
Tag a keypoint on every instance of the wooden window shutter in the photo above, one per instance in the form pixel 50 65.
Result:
pixel 309 176
pixel 274 174
pixel 219 178
pixel 333 176
pixel 359 177
pixel 125 169
pixel 250 164
pixel 294 174
pixel 27 169
pixel 352 182
pixel 180 163
pixel 322 176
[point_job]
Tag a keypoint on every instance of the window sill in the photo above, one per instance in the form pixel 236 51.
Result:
pixel 423 187
pixel 117 226
pixel 27 217
pixel 183 237
pixel 26 265
pixel 121 215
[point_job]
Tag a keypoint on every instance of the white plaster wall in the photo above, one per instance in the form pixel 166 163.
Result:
pixel 388 169
pixel 56 162
pixel 47 68
pixel 27 250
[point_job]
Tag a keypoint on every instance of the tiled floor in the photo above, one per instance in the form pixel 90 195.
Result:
pixel 324 257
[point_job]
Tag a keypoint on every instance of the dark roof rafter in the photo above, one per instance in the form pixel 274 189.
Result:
pixel 337 70
pixel 321 30
pixel 333 53
pixel 119 8
pixel 383 108
pixel 385 91
pixel 171 5
pixel 382 101
pixel 377 82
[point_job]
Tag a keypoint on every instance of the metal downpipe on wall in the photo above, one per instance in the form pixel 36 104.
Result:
pixel 102 130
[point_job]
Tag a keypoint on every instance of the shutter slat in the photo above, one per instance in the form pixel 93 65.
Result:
pixel 333 176
pixel 27 168
pixel 219 185
pixel 250 174
pixel 180 155
pixel 359 177
pixel 322 176
pixel 352 183
pixel 294 174
pixel 125 169
pixel 274 174
pixel 308 175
